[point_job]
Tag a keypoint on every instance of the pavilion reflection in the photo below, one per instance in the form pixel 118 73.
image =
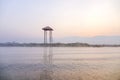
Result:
pixel 47 71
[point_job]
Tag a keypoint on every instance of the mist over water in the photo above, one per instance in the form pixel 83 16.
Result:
pixel 59 63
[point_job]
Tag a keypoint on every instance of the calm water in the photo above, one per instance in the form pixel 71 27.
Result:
pixel 59 63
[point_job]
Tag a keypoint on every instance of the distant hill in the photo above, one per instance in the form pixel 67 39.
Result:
pixel 99 40
pixel 13 44
pixel 111 40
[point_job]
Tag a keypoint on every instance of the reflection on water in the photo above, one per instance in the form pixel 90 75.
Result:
pixel 47 71
pixel 61 63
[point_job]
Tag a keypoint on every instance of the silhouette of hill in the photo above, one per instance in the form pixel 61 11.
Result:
pixel 15 44
pixel 111 40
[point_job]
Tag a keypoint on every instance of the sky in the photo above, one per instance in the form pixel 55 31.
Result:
pixel 23 20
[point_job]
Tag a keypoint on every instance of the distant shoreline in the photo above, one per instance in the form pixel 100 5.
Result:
pixel 13 44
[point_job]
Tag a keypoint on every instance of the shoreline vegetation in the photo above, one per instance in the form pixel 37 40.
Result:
pixel 15 44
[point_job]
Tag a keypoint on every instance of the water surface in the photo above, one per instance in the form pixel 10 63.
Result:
pixel 59 63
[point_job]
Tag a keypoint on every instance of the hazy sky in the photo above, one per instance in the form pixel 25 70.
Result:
pixel 23 19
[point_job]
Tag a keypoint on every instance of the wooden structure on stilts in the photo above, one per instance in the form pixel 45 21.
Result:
pixel 47 72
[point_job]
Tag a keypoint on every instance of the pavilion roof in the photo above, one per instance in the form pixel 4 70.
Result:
pixel 47 28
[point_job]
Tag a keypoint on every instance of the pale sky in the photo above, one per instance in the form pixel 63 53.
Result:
pixel 23 19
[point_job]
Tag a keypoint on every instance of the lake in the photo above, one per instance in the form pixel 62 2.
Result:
pixel 59 63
